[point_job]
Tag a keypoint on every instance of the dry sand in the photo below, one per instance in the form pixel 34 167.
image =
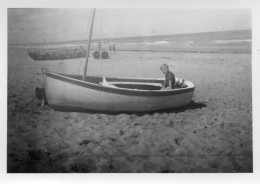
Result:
pixel 212 134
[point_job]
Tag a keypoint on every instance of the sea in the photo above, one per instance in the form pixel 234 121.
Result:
pixel 237 41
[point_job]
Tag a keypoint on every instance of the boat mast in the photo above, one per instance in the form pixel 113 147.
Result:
pixel 89 41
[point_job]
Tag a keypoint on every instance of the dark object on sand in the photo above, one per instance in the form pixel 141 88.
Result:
pixel 40 94
pixel 57 54
pixel 104 55
pixel 96 55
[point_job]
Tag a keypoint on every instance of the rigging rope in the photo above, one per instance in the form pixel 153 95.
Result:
pixel 100 41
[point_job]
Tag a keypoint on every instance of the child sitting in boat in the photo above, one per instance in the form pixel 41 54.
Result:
pixel 169 82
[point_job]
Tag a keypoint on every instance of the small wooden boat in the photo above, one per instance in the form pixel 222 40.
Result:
pixel 71 93
pixel 56 54
pixel 64 54
pixel 92 93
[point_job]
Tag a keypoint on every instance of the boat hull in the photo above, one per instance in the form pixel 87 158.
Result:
pixel 56 54
pixel 70 94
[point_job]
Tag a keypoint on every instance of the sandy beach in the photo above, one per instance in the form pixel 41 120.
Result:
pixel 212 134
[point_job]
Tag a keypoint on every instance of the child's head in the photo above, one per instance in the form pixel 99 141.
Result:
pixel 165 68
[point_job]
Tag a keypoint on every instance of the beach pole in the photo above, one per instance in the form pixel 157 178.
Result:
pixel 89 41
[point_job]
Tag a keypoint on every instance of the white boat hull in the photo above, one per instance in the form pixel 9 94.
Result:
pixel 65 93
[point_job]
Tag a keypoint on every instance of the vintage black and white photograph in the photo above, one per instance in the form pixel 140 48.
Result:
pixel 138 90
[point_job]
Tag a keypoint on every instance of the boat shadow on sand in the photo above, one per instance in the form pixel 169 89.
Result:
pixel 191 106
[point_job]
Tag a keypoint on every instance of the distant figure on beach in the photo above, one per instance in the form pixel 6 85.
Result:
pixel 110 47
pixel 99 46
pixel 169 82
pixel 114 48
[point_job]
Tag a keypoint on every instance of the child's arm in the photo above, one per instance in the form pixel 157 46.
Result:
pixel 170 85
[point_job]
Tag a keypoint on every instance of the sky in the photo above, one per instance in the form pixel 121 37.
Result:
pixel 27 25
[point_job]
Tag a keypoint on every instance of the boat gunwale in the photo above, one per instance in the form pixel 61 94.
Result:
pixel 122 91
